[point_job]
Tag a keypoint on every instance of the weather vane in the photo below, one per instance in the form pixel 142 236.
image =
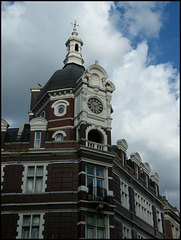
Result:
pixel 75 24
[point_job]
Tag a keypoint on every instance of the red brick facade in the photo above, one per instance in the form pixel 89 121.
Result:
pixel 80 186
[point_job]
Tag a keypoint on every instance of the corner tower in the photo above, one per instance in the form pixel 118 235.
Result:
pixel 93 108
pixel 76 102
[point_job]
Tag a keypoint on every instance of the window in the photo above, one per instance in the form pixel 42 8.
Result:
pixel 126 232
pixel 30 227
pixel 61 109
pixel 96 226
pixel 37 142
pixel 96 183
pixel 136 171
pixel 76 47
pixel 42 114
pixel 146 181
pixel 123 159
pixel 159 221
pixel 124 194
pixel 59 137
pixel 34 183
pixel 143 209
pixel 140 236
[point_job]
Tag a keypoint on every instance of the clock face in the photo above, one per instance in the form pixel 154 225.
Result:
pixel 95 105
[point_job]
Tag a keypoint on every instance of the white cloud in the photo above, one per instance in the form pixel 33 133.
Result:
pixel 142 18
pixel 145 108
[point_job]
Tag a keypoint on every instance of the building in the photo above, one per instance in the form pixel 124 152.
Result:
pixel 62 178
pixel 172 220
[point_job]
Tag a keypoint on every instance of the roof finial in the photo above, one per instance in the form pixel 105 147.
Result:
pixel 75 24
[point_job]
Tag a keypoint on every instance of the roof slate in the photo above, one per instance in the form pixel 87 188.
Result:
pixel 64 78
pixel 12 134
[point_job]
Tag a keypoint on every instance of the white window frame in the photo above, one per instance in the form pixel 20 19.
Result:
pixel 59 132
pixel 95 226
pixel 37 140
pixel 123 158
pixel 2 175
pixel 143 208
pixel 124 191
pixel 147 180
pixel 137 171
pixel 20 224
pixel 95 177
pixel 126 232
pixel 159 220
pixel 25 178
pixel 141 236
pixel 56 105
pixel 42 114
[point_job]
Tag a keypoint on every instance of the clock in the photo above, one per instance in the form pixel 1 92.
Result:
pixel 95 105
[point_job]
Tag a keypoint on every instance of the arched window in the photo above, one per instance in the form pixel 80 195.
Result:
pixel 59 137
pixel 76 47
pixel 95 136
pixel 42 114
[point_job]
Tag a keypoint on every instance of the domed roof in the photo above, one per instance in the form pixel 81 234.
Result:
pixel 63 78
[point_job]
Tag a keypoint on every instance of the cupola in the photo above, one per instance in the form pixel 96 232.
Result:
pixel 74 46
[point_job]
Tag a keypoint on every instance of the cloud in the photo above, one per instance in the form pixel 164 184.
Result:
pixel 146 98
pixel 142 18
pixel 146 112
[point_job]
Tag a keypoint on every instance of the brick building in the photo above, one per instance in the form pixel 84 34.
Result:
pixel 62 178
pixel 172 220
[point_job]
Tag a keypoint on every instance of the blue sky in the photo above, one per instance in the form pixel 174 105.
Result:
pixel 138 44
pixel 165 47
pixel 169 40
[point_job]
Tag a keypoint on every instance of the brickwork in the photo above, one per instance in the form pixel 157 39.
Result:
pixel 12 179
pixel 9 226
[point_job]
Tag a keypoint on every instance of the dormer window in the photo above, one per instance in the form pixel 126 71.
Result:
pixel 37 142
pixel 136 171
pixel 42 114
pixel 76 47
pixel 146 181
pixel 59 137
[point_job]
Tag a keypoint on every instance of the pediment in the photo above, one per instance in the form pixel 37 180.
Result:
pixel 4 125
pixel 38 123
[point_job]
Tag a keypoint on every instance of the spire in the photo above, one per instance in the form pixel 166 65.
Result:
pixel 74 46
pixel 75 29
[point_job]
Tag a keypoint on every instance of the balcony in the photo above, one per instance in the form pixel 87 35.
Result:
pixel 96 145
pixel 97 194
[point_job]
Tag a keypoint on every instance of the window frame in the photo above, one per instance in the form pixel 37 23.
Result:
pixel 30 225
pixel 58 132
pixel 95 178
pixel 126 232
pixel 56 105
pixel 143 208
pixel 124 191
pixel 43 114
pixel 25 178
pixel 59 140
pixel 37 140
pixel 95 225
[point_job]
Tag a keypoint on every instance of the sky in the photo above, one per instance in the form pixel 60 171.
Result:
pixel 137 43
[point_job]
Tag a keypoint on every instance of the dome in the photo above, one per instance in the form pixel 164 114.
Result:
pixel 63 78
